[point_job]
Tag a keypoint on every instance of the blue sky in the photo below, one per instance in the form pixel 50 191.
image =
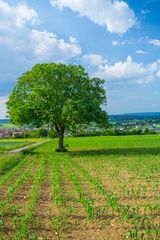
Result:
pixel 115 40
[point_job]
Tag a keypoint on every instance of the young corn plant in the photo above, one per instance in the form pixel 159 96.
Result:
pixel 88 203
pixel 97 183
pixel 23 229
pixel 58 221
pixel 13 189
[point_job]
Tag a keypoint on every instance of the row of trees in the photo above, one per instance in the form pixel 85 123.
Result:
pixel 110 131
pixel 39 133
pixel 115 132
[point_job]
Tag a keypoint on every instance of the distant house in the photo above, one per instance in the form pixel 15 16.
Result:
pixel 7 133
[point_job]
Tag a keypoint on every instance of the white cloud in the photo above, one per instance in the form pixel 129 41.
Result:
pixel 155 42
pixel 120 43
pixel 158 73
pixel 46 45
pixel 145 11
pixel 22 46
pixel 3 110
pixel 155 66
pixel 129 71
pixel 16 16
pixel 141 52
pixel 94 59
pixel 122 70
pixel 116 15
pixel 19 52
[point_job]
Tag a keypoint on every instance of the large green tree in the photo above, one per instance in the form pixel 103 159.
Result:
pixel 58 95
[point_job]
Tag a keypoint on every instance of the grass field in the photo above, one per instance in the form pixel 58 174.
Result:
pixel 10 144
pixel 103 188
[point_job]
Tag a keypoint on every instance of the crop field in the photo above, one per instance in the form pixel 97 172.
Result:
pixel 11 144
pixel 102 188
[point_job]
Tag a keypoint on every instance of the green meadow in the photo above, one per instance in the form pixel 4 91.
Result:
pixel 11 144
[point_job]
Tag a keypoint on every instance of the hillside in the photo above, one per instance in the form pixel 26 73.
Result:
pixel 134 116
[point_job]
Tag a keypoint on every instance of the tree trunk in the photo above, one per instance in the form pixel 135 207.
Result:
pixel 61 141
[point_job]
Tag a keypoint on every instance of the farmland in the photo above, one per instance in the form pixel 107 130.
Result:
pixel 103 188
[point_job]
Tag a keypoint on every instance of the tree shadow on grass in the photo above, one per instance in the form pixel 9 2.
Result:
pixel 117 151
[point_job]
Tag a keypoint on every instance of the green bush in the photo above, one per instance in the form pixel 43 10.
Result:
pixel 52 134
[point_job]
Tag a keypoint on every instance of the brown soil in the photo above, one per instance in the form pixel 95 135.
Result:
pixel 40 224
pixel 71 221
pixel 16 207
pixel 104 226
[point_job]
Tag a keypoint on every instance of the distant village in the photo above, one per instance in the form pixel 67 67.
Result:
pixel 117 126
pixel 12 133
pixel 138 124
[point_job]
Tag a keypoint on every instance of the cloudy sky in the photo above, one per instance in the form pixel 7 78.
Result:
pixel 118 40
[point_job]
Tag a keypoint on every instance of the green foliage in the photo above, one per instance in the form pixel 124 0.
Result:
pixel 52 134
pixel 37 133
pixel 146 131
pixel 43 132
pixel 113 132
pixel 149 131
pixel 57 95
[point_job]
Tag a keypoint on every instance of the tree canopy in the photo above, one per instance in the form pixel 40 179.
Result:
pixel 59 96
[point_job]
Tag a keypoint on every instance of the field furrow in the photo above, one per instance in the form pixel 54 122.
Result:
pixel 81 195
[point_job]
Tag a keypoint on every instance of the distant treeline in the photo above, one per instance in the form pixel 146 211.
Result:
pixel 134 116
pixel 36 134
pixel 4 121
pixel 116 132
pixel 107 132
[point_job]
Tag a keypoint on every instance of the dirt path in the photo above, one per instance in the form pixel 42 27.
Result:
pixel 26 147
